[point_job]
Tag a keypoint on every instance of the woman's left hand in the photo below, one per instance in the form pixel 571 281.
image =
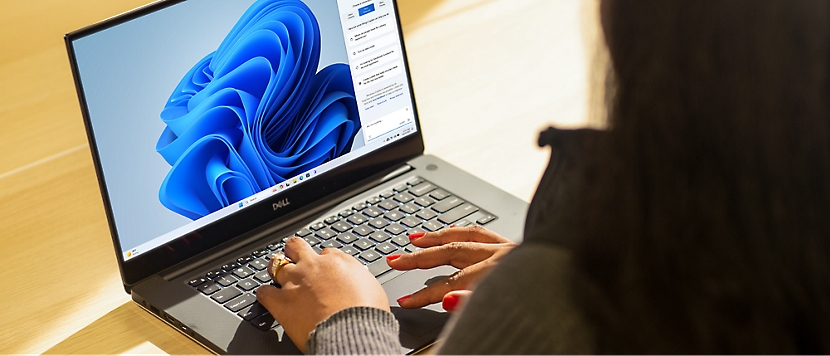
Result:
pixel 315 287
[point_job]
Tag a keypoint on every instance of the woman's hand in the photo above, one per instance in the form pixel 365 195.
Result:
pixel 473 250
pixel 315 287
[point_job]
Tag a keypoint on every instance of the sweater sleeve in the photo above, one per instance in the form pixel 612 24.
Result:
pixel 356 330
pixel 524 306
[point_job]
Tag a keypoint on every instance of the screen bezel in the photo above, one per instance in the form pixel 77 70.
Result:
pixel 257 215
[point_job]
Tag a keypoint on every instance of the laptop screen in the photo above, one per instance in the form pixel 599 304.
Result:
pixel 201 109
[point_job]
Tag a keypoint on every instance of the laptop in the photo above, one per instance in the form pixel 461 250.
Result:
pixel 221 128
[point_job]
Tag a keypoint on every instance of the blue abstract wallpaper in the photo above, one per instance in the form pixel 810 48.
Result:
pixel 255 112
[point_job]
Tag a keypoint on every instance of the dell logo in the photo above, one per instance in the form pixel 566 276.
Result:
pixel 281 204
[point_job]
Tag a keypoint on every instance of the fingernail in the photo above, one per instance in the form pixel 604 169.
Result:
pixel 450 302
pixel 401 299
pixel 393 257
pixel 416 236
pixel 452 226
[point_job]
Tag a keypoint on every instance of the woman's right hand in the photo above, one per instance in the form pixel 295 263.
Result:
pixel 473 250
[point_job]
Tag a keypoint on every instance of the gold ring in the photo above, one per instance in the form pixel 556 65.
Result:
pixel 279 261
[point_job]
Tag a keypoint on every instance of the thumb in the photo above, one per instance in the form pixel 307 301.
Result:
pixel 453 300
pixel 271 298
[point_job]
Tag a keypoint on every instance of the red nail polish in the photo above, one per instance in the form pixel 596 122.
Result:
pixel 452 226
pixel 393 257
pixel 404 298
pixel 450 302
pixel 416 236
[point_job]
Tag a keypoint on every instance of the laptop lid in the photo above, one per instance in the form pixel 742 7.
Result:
pixel 208 119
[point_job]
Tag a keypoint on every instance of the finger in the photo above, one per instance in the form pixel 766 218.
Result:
pixel 271 298
pixel 297 249
pixel 453 300
pixel 456 254
pixel 435 292
pixel 283 274
pixel 457 234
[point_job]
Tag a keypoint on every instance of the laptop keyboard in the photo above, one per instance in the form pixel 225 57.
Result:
pixel 368 231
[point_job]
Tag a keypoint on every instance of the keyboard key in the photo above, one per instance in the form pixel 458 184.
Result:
pixel 317 249
pixel 197 281
pixel 373 200
pixel 331 220
pixel 401 187
pixel 349 250
pixel 485 219
pixel 331 244
pixel 275 247
pixel 259 264
pixel 341 226
pixel 252 311
pixel 265 322
pixel 372 212
pixel 209 288
pixel 213 274
pixel 362 230
pixel 359 206
pixel 347 238
pixel 404 198
pixel 388 204
pixel 447 205
pixel 247 284
pixel 357 219
pixel 462 223
pixel 242 272
pixel 263 277
pixel 387 194
pixel 303 232
pixel 317 226
pixel 313 241
pixel 225 281
pixel 379 267
pixel 394 215
pixel 410 208
pixel 379 236
pixel 244 260
pixel 410 222
pixel 412 248
pixel 457 213
pixel 422 189
pixel 370 255
pixel 386 248
pixel 363 244
pixel 395 229
pixel 225 295
pixel 346 213
pixel 378 223
pixel 424 201
pixel 415 181
pixel 230 267
pixel 260 253
pixel 432 226
pixel 439 194
pixel 426 214
pixel 401 240
pixel 326 233
pixel 415 231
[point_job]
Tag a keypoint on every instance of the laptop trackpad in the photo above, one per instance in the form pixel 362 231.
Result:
pixel 423 324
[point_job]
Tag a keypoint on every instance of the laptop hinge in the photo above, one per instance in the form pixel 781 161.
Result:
pixel 302 214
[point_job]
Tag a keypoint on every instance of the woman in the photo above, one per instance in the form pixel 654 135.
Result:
pixel 699 222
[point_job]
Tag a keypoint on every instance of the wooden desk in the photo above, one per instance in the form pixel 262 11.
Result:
pixel 488 75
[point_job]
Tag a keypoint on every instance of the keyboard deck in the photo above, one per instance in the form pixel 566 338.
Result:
pixel 369 230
